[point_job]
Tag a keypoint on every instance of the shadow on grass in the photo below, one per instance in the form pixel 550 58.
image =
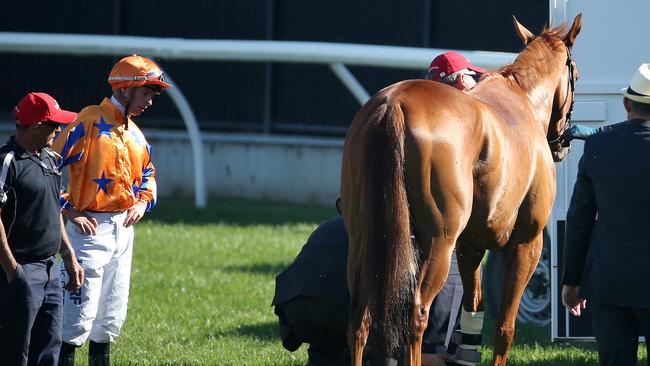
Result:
pixel 272 269
pixel 238 212
pixel 555 359
pixel 283 363
pixel 260 331
pixel 266 332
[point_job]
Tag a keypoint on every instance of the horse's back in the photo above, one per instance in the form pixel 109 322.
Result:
pixel 430 104
pixel 461 141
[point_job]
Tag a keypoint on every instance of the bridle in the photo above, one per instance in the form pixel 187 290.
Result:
pixel 571 86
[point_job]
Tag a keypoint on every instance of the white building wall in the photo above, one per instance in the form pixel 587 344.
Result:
pixel 293 169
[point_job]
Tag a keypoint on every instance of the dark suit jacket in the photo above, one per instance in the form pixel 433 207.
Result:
pixel 607 247
pixel 320 268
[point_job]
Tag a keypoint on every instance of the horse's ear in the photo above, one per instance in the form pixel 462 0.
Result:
pixel 573 32
pixel 522 32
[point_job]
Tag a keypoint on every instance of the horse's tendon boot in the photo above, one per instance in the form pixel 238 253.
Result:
pixel 463 356
pixel 469 338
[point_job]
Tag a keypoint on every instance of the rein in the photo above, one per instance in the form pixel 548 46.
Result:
pixel 571 85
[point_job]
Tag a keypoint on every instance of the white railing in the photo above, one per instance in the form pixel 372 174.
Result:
pixel 336 55
pixel 237 50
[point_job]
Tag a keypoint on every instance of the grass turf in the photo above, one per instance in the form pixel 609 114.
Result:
pixel 202 283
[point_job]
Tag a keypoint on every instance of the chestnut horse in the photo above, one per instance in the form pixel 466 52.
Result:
pixel 471 170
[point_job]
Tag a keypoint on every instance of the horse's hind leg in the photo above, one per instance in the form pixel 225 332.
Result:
pixel 520 262
pixel 436 231
pixel 358 330
pixel 434 272
pixel 469 264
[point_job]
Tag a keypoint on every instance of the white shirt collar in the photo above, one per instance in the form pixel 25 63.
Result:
pixel 117 104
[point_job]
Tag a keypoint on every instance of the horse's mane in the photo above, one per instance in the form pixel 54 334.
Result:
pixel 535 61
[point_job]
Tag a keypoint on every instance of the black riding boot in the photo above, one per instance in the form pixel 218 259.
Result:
pixel 66 355
pixel 99 354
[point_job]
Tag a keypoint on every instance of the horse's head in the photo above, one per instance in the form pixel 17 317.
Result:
pixel 561 78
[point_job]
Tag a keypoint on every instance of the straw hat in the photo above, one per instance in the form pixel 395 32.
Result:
pixel 639 89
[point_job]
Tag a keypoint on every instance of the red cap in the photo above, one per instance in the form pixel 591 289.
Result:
pixel 448 63
pixel 40 107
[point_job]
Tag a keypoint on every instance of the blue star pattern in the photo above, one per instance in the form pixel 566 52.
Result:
pixel 135 188
pixel 102 183
pixel 147 172
pixel 76 134
pixel 104 128
pixel 63 202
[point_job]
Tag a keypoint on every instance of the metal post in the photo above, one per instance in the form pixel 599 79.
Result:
pixel 557 12
pixel 196 141
pixel 353 85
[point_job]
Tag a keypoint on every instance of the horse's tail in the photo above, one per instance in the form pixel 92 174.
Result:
pixel 389 267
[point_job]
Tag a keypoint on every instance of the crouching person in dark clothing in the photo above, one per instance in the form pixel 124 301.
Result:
pixel 31 234
pixel 311 297
pixel 311 302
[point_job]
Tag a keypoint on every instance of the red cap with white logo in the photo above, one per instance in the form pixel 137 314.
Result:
pixel 40 107
pixel 448 63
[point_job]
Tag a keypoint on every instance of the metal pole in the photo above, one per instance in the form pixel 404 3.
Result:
pixel 557 12
pixel 353 85
pixel 187 114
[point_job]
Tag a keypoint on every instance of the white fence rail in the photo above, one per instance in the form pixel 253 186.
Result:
pixel 237 50
pixel 336 55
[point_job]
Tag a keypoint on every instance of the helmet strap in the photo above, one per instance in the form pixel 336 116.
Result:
pixel 126 115
pixel 129 97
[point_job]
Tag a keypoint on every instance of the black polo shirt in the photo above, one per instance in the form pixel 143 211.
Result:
pixel 31 213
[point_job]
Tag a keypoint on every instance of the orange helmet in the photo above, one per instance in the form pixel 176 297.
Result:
pixel 135 70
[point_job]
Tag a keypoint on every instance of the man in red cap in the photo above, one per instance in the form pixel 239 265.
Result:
pixel 111 186
pixel 453 69
pixel 31 234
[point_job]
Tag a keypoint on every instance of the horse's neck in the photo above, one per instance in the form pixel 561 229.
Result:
pixel 541 98
pixel 512 100
pixel 539 89
pixel 504 96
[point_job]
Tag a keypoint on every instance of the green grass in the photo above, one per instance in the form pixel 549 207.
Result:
pixel 203 280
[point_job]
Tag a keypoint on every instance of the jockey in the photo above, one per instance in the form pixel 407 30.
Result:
pixel 111 186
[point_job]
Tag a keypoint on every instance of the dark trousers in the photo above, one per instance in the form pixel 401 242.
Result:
pixel 444 314
pixel 318 322
pixel 617 330
pixel 31 312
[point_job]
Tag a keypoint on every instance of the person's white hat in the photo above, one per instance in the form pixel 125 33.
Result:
pixel 639 89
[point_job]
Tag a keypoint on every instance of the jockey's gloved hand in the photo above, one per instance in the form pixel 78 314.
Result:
pixel 578 132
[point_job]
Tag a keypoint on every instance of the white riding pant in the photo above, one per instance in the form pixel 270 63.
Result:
pixel 98 309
